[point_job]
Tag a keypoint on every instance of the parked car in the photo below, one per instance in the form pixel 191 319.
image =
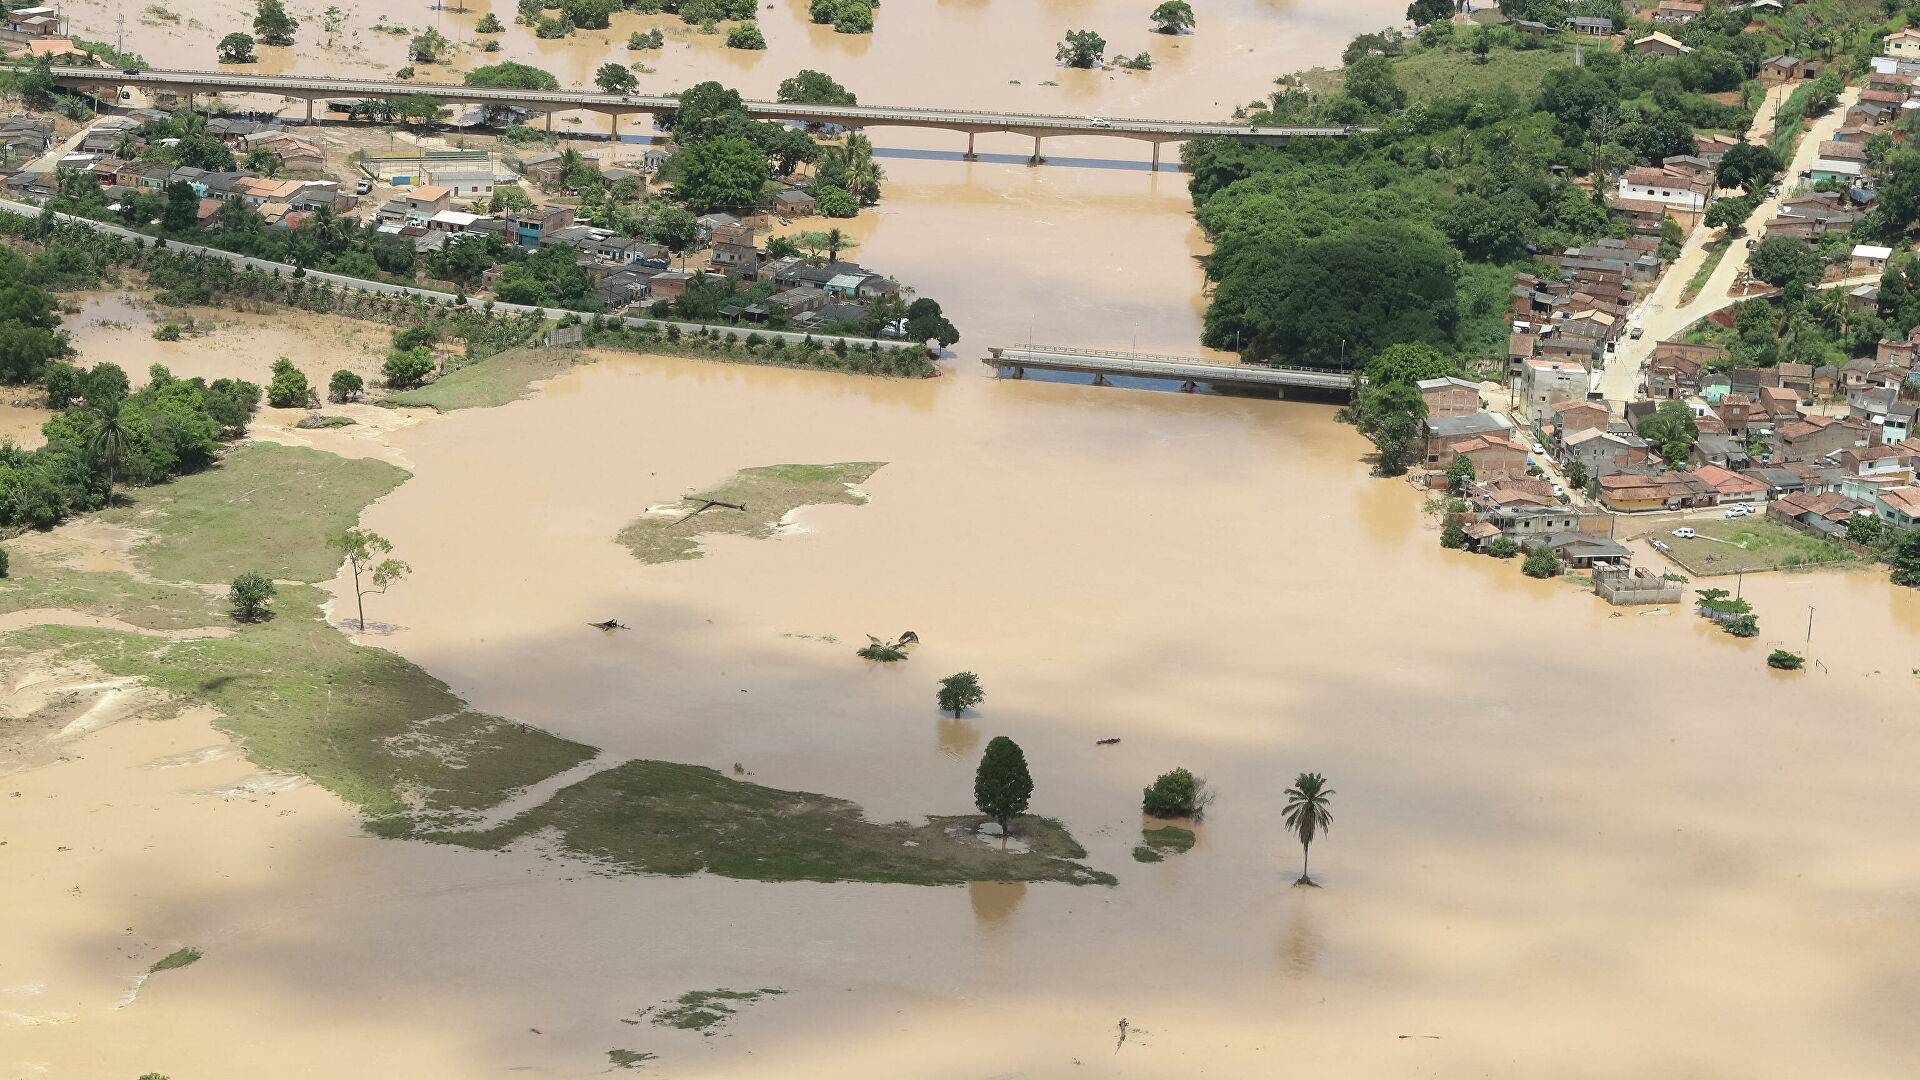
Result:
pixel 365 185
pixel 1538 449
pixel 1752 243
pixel 1773 192
pixel 1558 491
pixel 1637 331
pixel 1659 546
pixel 1685 532
pixel 1740 510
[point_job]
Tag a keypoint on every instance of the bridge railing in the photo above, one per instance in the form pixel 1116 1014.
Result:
pixel 1069 350
pixel 349 84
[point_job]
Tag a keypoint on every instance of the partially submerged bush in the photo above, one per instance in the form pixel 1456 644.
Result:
pixel 1743 626
pixel 1785 661
pixel 882 652
pixel 1176 794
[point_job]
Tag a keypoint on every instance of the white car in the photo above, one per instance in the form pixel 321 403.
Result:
pixel 1538 449
pixel 1685 533
pixel 1099 121
pixel 1739 510
pixel 1558 491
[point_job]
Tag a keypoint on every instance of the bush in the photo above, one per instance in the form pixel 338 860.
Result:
pixel 407 368
pixel 882 652
pixel 288 389
pixel 344 385
pixel 250 595
pixel 1743 626
pixel 1175 794
pixel 3 562
pixel 1785 661
pixel 1541 564
pixel 1502 547
pixel 746 36
pixel 835 202
pixel 1453 537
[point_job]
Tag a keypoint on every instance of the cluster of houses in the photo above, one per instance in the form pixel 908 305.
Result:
pixel 1581 316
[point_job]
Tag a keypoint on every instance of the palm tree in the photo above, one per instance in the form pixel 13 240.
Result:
pixel 1306 815
pixel 108 434
pixel 1834 308
pixel 835 240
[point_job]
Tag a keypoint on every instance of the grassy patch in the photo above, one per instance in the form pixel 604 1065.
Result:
pixel 1436 73
pixel 178 958
pixel 264 507
pixel 151 604
pixel 705 1010
pixel 630 1059
pixel 1171 839
pixel 769 493
pixel 364 723
pixel 1749 544
pixel 1147 853
pixel 1715 252
pixel 664 818
pixel 497 380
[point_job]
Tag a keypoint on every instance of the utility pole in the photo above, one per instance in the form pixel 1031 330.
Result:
pixel 120 33
pixel 1809 623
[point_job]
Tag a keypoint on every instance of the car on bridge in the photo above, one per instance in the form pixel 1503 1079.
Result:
pixel 1098 121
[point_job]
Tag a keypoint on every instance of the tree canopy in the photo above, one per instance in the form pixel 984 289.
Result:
pixel 511 75
pixel 1081 49
pixel 1173 16
pixel 815 88
pixel 1001 785
pixel 720 173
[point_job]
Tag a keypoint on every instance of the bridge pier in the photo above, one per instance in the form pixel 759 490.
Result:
pixel 549 121
pixel 1189 386
pixel 1036 159
pixel 1099 379
pixel 309 112
pixel 971 156
pixel 1156 157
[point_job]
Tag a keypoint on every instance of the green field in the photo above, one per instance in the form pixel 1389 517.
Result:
pixel 1747 544
pixel 497 380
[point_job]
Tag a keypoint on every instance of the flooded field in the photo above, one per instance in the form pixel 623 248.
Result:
pixel 1568 840
pixel 1564 842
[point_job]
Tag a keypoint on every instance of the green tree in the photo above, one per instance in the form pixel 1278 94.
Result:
pixel 272 25
pixel 1174 16
pixel 1453 537
pixel 1785 661
pixel 814 88
pixel 1731 213
pixel 421 109
pixel 1905 559
pixel 109 433
pixel 1177 793
pixel 589 14
pixel 264 162
pixel 853 17
pixel 1742 626
pixel 1671 431
pixel 407 367
pixel 429 46
pixel 961 692
pixel 1744 163
pixel 615 79
pixel 288 388
pixel 1422 12
pixel 1306 815
pixel 746 36
pixel 1866 529
pixel 1392 415
pixel 1371 80
pixel 1502 547
pixel 1541 563
pixel 250 595
pixel 236 48
pixel 511 76
pixel 1460 475
pixel 1001 786
pixel 365 552
pixel 835 202
pixel 1577 475
pixel 1081 49
pixel 488 24
pixel 3 562
pixel 345 385
pixel 719 174
pixel 1785 261
pixel 926 322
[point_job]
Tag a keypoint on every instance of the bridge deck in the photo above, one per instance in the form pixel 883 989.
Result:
pixel 1149 366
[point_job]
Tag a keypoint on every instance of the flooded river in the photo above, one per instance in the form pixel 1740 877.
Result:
pixel 1567 841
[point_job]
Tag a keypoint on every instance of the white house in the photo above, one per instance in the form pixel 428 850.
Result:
pixel 1870 257
pixel 1547 382
pixel 1665 186
pixel 1902 44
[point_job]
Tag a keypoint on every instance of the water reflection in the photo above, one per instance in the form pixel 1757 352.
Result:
pixel 958 738
pixel 994 903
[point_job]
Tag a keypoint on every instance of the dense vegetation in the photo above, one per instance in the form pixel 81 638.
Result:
pixel 1329 250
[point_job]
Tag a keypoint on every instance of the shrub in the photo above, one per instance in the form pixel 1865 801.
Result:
pixel 1502 547
pixel 1541 564
pixel 1453 536
pixel 3 562
pixel 407 367
pixel 1175 794
pixel 746 36
pixel 1742 626
pixel 167 332
pixel 882 652
pixel 288 388
pixel 1785 661
pixel 250 595
pixel 344 385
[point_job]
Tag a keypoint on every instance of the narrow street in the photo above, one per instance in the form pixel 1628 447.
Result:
pixel 1661 315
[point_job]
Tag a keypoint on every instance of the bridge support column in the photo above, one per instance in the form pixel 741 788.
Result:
pixel 1156 157
pixel 1099 379
pixel 1019 372
pixel 971 156
pixel 549 122
pixel 1036 159
pixel 309 112
pixel 1188 387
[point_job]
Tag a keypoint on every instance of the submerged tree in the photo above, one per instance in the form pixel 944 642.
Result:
pixel 1001 786
pixel 1306 815
pixel 961 692
pixel 236 48
pixel 1081 49
pixel 364 551
pixel 273 25
pixel 1175 16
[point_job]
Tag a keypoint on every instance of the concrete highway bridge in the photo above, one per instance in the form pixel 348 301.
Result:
pixel 312 88
pixel 1014 361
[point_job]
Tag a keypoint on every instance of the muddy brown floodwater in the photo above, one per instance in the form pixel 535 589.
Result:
pixel 1564 843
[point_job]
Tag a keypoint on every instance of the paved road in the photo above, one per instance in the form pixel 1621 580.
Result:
pixel 250 263
pixel 1661 316
pixel 314 87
